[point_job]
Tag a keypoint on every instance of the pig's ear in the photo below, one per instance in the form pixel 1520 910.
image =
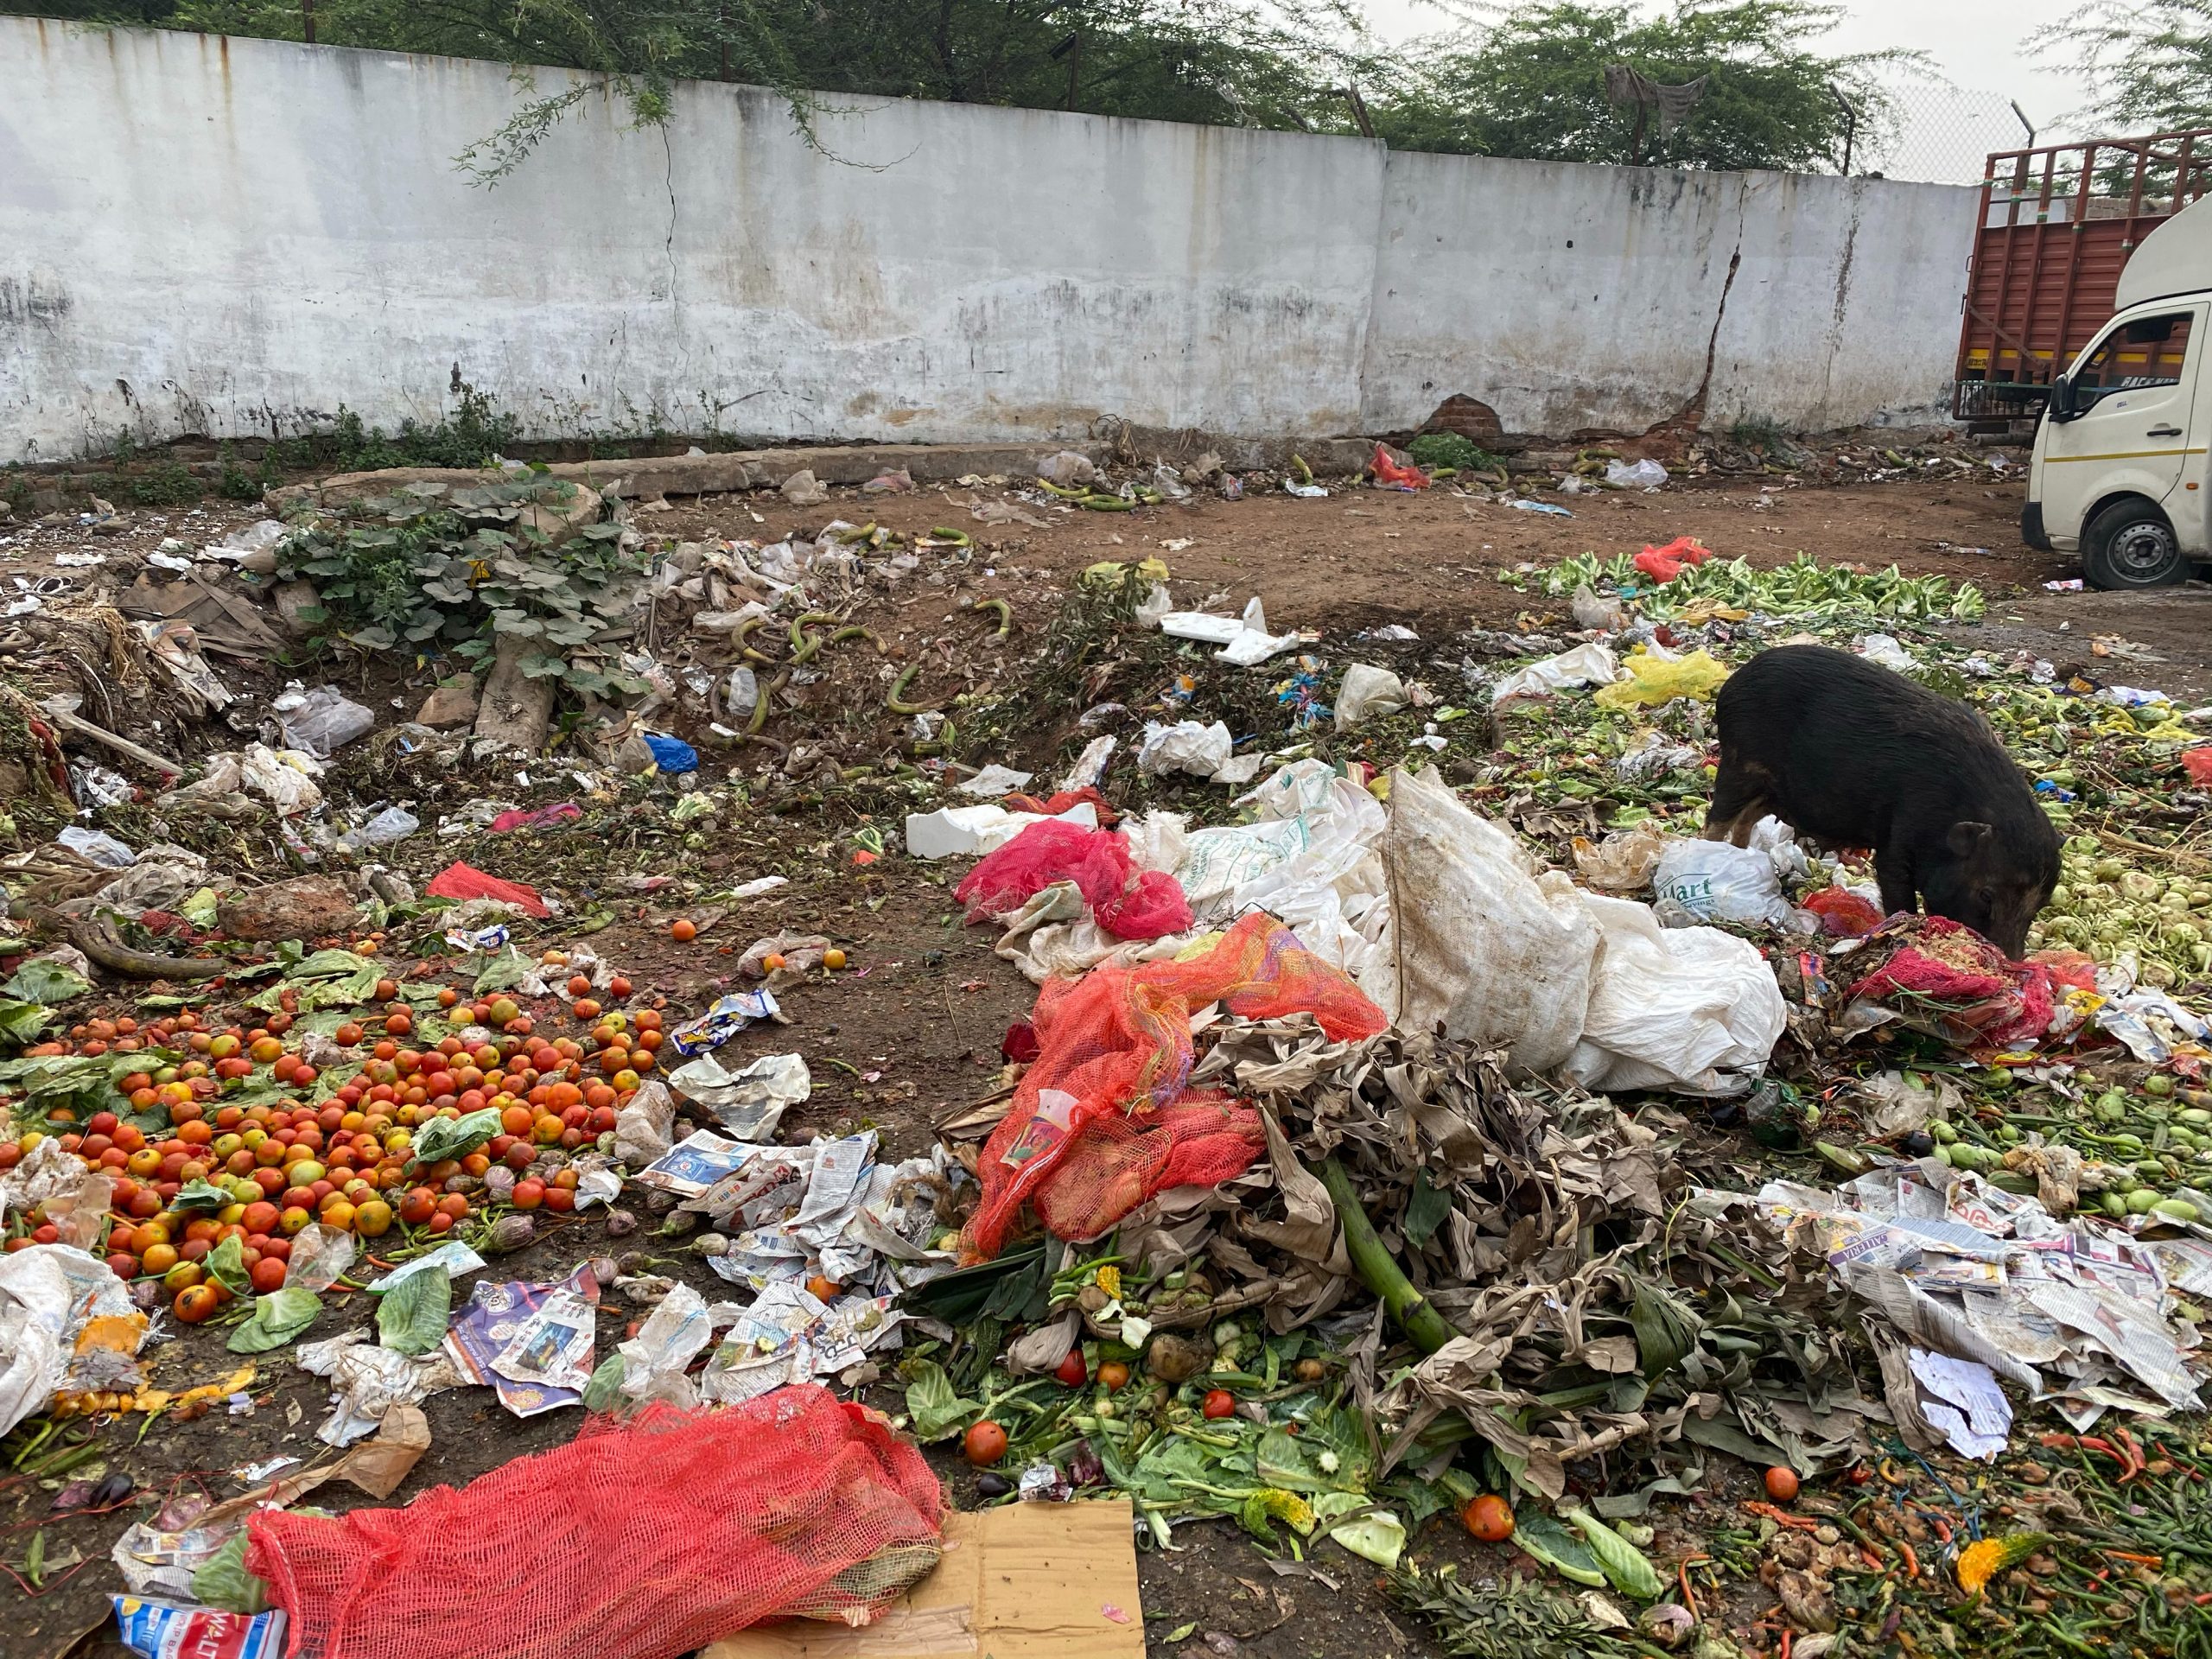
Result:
pixel 1967 836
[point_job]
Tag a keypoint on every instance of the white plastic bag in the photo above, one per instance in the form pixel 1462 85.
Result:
pixel 1713 881
pixel 1475 942
pixel 1623 862
pixel 1586 664
pixel 1187 746
pixel 321 722
pixel 1244 641
pixel 1307 809
pixel 1688 1008
pixel 643 1129
pixel 96 847
pixel 1068 469
pixel 1884 648
pixel 1368 690
pixel 1638 475
pixel 393 823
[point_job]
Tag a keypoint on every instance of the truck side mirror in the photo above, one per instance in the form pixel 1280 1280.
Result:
pixel 2061 398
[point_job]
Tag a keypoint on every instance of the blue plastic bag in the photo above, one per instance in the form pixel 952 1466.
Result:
pixel 672 753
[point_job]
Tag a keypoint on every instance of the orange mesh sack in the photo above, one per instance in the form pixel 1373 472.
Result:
pixel 1101 1120
pixel 646 1538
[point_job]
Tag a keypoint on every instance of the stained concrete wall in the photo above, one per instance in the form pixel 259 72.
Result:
pixel 235 237
pixel 1573 297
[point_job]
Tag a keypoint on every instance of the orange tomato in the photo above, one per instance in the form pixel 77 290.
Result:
pixel 684 930
pixel 1488 1517
pixel 196 1303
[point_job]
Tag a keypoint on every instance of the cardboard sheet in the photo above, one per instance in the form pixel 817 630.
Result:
pixel 1023 1582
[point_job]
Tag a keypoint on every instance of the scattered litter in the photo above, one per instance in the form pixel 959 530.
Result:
pixel 1243 640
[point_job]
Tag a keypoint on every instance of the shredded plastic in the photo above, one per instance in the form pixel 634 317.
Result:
pixel 1101 1120
pixel 648 1539
pixel 1128 903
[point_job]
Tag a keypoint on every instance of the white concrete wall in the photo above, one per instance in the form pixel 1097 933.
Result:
pixel 235 237
pixel 1573 297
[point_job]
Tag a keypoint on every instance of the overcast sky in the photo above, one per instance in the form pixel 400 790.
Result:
pixel 1976 44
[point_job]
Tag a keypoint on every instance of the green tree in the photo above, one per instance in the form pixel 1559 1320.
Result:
pixel 2148 63
pixel 1265 63
pixel 1531 82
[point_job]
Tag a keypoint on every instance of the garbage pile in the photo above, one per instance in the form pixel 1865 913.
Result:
pixel 1414 1124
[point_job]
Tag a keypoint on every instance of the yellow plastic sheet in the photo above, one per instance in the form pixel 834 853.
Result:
pixel 1654 680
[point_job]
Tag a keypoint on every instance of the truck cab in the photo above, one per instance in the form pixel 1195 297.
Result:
pixel 2120 473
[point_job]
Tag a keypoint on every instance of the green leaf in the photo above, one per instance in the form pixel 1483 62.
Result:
pixel 1181 1633
pixel 1535 1533
pixel 43 980
pixel 200 1194
pixel 537 666
pixel 221 1580
pixel 21 1023
pixel 454 1137
pixel 278 1318
pixel 376 638
pixel 226 1263
pixel 1666 1329
pixel 1379 1536
pixel 606 1384
pixel 1425 1209
pixel 411 1317
pixel 1628 1568
pixel 936 1409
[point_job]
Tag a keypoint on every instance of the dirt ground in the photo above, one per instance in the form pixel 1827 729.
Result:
pixel 912 1030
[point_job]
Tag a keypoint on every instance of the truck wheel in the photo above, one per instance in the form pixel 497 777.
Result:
pixel 2130 545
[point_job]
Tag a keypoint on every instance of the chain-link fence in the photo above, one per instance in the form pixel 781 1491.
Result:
pixel 1939 134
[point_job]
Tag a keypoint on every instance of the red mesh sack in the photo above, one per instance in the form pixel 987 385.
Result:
pixel 1984 998
pixel 646 1539
pixel 1101 1120
pixel 460 880
pixel 1128 904
pixel 1066 800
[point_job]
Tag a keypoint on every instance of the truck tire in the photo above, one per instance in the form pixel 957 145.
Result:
pixel 2131 545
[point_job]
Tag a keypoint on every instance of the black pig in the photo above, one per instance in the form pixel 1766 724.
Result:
pixel 1855 755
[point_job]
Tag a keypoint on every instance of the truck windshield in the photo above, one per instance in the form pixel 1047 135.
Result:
pixel 2148 352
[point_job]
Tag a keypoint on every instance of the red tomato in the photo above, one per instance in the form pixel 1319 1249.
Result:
pixel 985 1444
pixel 1490 1517
pixel 1072 1371
pixel 1219 1403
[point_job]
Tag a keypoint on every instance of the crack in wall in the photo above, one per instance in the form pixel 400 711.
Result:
pixel 1842 301
pixel 1686 421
